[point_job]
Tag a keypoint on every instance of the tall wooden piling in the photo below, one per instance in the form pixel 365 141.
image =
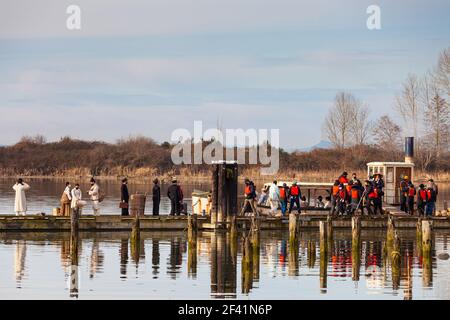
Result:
pixel 74 241
pixel 311 255
pixel 293 227
pixel 255 239
pixel 135 239
pixel 356 247
pixel 323 231
pixel 427 246
pixel 293 262
pixel 419 237
pixel 330 232
pixel 224 192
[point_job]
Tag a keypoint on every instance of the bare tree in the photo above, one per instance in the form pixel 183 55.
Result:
pixel 361 126
pixel 442 71
pixel 387 134
pixel 437 120
pixel 346 117
pixel 407 103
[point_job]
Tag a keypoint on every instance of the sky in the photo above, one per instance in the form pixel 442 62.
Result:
pixel 150 67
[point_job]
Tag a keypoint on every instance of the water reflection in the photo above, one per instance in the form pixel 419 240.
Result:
pixel 222 265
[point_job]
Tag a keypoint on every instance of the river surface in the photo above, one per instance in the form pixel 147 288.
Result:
pixel 164 266
pixel 44 194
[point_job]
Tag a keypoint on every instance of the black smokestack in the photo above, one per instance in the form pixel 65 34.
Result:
pixel 409 149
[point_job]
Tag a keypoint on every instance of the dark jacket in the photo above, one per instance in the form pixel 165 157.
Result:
pixel 252 194
pixel 156 192
pixel 124 195
pixel 175 193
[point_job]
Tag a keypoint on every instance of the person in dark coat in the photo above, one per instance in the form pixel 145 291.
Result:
pixel 156 197
pixel 124 196
pixel 175 195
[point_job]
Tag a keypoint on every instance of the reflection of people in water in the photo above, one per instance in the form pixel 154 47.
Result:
pixel 19 260
pixel 123 257
pixel 155 258
pixel 175 258
pixel 97 259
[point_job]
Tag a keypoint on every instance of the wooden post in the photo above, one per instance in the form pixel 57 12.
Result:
pixel 323 229
pixel 215 194
pixel 390 232
pixel 192 227
pixel 419 237
pixel 427 246
pixel 135 239
pixel 247 268
pixel 293 265
pixel 255 239
pixel 356 247
pixel 293 228
pixel 74 241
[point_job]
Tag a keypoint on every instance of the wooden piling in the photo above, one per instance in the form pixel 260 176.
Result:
pixel 419 236
pixel 323 230
pixel 135 238
pixel 311 256
pixel 356 247
pixel 74 241
pixel 255 239
pixel 293 228
pixel 330 232
pixel 293 265
pixel 247 265
pixel 192 246
pixel 427 246
pixel 390 232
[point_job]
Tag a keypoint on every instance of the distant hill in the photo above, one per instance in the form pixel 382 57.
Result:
pixel 323 144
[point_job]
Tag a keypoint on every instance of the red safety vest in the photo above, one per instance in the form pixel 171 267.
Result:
pixel 411 191
pixel 349 188
pixel 282 193
pixel 342 194
pixel 343 180
pixel 295 191
pixel 335 190
pixel 248 190
pixel 373 194
pixel 423 194
pixel 355 193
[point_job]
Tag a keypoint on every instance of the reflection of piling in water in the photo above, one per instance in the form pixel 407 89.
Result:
pixel 223 266
pixel 356 247
pixel 408 289
pixel 390 233
pixel 192 246
pixel 427 246
pixel 293 264
pixel 323 230
pixel 419 237
pixel 311 257
pixel 395 260
pixel 330 233
pixel 247 265
pixel 255 239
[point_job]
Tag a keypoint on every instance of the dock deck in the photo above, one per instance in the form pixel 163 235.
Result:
pixel 147 223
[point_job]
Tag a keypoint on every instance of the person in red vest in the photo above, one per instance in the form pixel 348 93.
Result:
pixel 341 199
pixel 334 196
pixel 411 196
pixel 374 199
pixel 295 195
pixel 284 194
pixel 422 199
pixel 250 196
pixel 343 178
pixel 431 203
pixel 355 195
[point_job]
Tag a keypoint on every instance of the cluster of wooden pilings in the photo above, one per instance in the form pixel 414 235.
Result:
pixel 392 250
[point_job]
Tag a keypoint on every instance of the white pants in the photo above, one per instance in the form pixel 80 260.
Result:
pixel 21 213
pixel 96 207
pixel 273 206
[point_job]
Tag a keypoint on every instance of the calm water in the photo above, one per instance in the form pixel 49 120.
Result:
pixel 44 195
pixel 38 266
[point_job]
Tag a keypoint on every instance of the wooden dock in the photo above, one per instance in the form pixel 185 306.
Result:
pixel 147 223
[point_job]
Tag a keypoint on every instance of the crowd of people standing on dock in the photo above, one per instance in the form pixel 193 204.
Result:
pixel 72 198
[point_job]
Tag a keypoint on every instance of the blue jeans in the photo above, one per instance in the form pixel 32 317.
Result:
pixel 429 209
pixel 283 206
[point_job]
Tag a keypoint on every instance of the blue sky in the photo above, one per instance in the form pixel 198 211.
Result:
pixel 149 67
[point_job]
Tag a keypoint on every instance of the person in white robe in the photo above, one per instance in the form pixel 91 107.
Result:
pixel 94 193
pixel 66 199
pixel 20 203
pixel 77 203
pixel 274 198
